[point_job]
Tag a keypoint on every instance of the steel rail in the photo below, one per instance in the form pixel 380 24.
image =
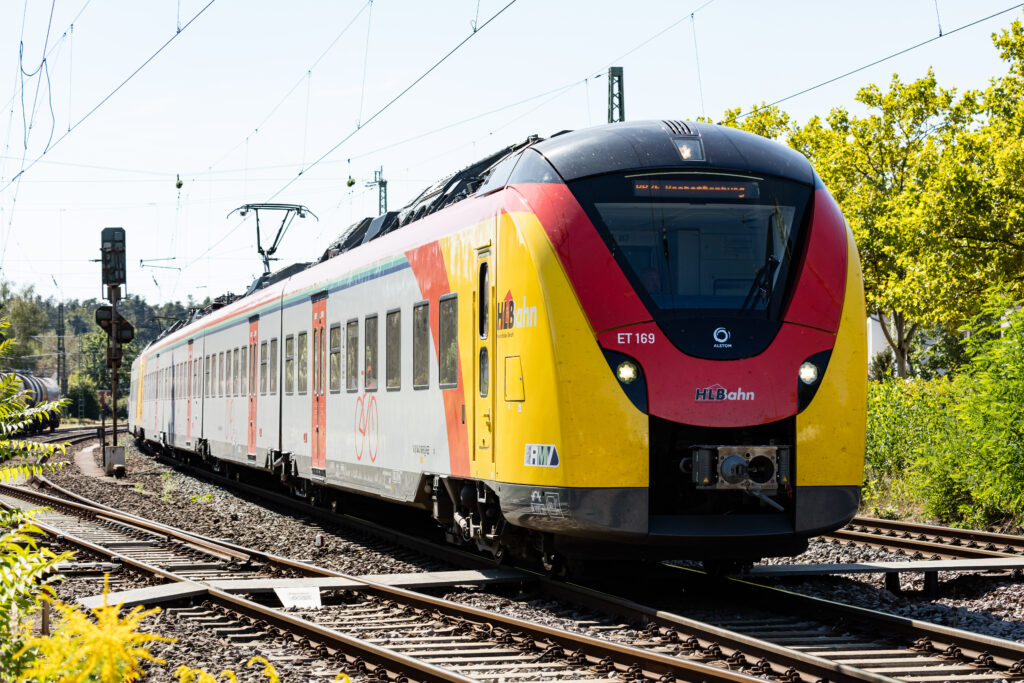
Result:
pixel 623 657
pixel 959 539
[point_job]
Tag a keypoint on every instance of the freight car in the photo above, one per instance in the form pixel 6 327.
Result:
pixel 640 339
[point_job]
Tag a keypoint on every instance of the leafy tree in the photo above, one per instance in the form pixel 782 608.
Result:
pixel 28 321
pixel 884 170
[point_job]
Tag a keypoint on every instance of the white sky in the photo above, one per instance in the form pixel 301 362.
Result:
pixel 238 104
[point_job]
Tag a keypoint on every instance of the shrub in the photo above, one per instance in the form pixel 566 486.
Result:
pixel 955 445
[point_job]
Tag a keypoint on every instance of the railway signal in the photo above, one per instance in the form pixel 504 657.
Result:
pixel 119 331
pixel 115 325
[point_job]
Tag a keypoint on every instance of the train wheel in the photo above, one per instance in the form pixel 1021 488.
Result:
pixel 554 565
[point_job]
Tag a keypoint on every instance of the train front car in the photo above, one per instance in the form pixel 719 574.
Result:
pixel 703 353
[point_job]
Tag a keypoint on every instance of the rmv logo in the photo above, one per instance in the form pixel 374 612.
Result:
pixel 720 393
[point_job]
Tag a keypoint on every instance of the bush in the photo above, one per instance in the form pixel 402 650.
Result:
pixel 955 445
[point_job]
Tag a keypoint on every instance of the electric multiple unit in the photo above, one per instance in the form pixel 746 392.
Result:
pixel 639 339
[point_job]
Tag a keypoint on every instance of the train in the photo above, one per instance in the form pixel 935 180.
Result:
pixel 641 340
pixel 39 390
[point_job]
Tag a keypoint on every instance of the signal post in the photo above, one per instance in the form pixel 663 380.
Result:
pixel 119 331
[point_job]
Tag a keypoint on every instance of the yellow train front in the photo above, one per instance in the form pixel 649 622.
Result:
pixel 670 317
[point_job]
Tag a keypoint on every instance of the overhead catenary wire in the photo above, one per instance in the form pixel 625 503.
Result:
pixel 394 99
pixel 880 61
pixel 555 92
pixel 291 90
pixel 108 96
pixel 366 64
pixel 352 133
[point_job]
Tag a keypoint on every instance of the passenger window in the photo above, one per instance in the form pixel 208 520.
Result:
pixel 263 368
pixel 484 372
pixel 370 354
pixel 393 344
pixel 484 299
pixel 275 369
pixel 421 346
pixel 448 328
pixel 243 367
pixel 236 379
pixel 335 358
pixel 289 365
pixel 220 377
pixel 206 378
pixel 352 356
pixel 302 358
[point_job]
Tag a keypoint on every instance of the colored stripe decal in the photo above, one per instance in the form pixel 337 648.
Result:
pixel 428 267
pixel 242 316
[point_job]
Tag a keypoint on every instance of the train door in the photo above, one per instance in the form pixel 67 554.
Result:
pixel 158 392
pixel 198 390
pixel 254 340
pixel 189 389
pixel 483 375
pixel 319 462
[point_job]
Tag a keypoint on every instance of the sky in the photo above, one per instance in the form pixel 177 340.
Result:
pixel 258 101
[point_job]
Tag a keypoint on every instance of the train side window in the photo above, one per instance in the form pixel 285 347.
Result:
pixel 302 359
pixel 263 368
pixel 448 341
pixel 421 346
pixel 335 340
pixel 206 378
pixel 484 292
pixel 352 356
pixel 484 371
pixel 393 346
pixel 236 375
pixel 227 372
pixel 275 369
pixel 243 367
pixel 289 365
pixel 220 377
pixel 370 367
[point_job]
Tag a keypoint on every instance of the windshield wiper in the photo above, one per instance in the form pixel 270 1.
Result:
pixel 761 287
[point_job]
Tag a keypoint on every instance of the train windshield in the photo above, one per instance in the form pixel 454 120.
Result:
pixel 709 242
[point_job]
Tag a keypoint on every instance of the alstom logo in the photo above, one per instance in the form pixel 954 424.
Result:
pixel 720 393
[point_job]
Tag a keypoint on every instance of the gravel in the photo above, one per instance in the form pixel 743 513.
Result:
pixel 988 604
pixel 160 493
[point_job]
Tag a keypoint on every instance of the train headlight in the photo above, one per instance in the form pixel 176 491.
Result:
pixel 627 372
pixel 808 372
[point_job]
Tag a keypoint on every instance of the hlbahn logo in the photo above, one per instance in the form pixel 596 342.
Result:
pixel 511 316
pixel 720 393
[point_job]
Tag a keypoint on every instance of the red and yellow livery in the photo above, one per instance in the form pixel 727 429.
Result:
pixel 638 339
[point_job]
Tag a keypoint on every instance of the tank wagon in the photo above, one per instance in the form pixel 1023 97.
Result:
pixel 39 390
pixel 640 339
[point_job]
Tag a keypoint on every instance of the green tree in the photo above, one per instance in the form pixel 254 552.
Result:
pixel 28 322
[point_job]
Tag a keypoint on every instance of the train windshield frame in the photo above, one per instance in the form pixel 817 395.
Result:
pixel 701 243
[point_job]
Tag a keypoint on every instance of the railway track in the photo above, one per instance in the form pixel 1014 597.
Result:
pixel 791 642
pixel 441 640
pixel 926 541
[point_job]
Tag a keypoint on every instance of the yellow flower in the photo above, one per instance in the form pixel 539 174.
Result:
pixel 89 646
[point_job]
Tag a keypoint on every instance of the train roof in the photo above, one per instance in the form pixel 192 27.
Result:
pixel 610 148
pixel 637 145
